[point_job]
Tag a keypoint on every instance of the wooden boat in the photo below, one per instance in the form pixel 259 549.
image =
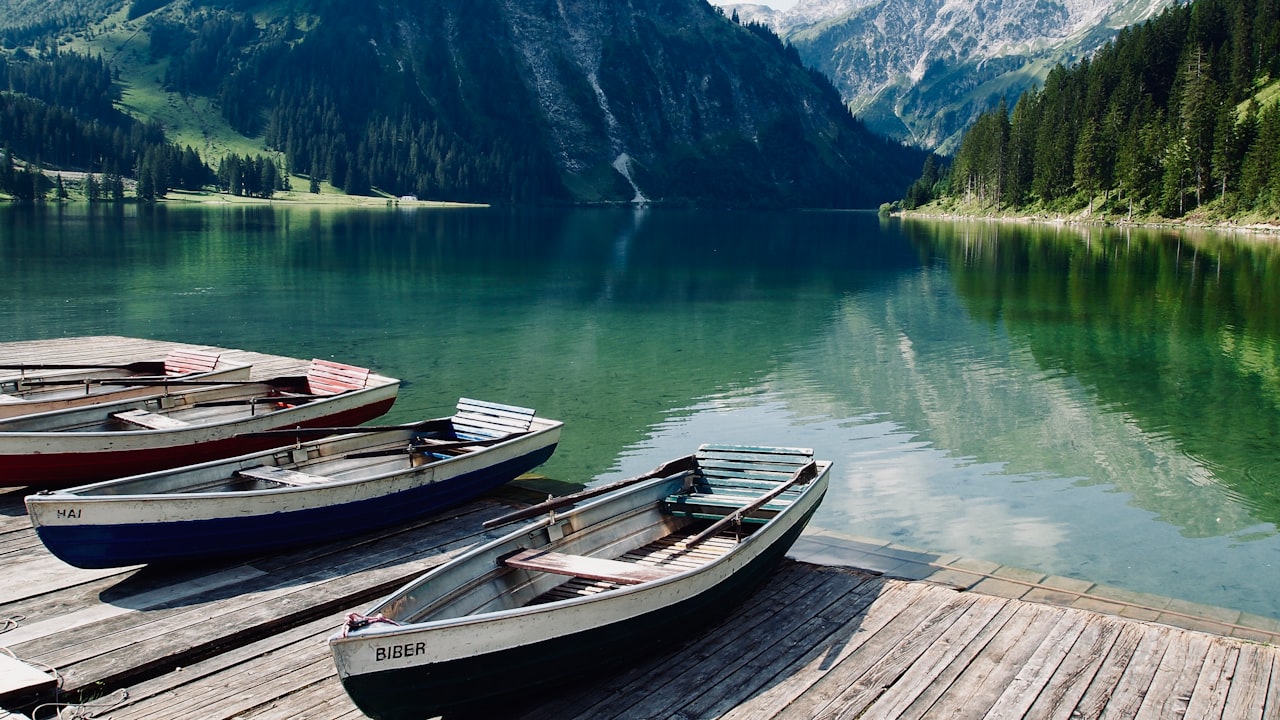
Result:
pixel 638 569
pixel 307 493
pixel 45 388
pixel 129 437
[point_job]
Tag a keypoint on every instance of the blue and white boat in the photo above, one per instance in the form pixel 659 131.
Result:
pixel 308 492
pixel 630 572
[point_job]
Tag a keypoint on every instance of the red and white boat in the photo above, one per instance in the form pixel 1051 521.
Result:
pixel 201 423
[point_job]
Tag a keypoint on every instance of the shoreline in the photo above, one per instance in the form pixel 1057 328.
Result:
pixel 328 197
pixel 1226 227
pixel 295 197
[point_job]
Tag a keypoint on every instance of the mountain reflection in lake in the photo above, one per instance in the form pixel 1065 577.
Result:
pixel 1098 403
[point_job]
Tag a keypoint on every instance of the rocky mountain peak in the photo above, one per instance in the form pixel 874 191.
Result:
pixel 922 70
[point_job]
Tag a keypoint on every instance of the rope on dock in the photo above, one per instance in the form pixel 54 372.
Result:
pixel 355 621
pixel 84 710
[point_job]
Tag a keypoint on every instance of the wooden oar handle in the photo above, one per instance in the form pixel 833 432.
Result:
pixel 424 426
pixel 422 447
pixel 160 381
pixel 262 400
pixel 809 468
pixel 679 465
pixel 79 366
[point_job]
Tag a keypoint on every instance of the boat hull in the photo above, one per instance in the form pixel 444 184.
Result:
pixel 104 531
pixel 54 459
pixel 505 659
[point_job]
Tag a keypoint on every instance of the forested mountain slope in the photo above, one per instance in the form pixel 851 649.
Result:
pixel 1177 115
pixel 503 101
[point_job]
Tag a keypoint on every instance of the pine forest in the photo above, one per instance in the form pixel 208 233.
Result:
pixel 1176 116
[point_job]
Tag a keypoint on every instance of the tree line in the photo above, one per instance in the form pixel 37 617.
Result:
pixel 247 176
pixel 58 111
pixel 1163 120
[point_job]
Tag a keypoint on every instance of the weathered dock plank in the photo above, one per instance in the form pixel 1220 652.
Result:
pixel 1254 692
pixel 1036 671
pixel 1064 689
pixel 980 671
pixel 916 666
pixel 116 350
pixel 766 663
pixel 1176 675
pixel 795 671
pixel 859 677
pixel 1209 697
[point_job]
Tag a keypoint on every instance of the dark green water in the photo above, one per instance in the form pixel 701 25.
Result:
pixel 1098 404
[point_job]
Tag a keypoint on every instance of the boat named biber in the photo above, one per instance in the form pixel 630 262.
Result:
pixel 648 564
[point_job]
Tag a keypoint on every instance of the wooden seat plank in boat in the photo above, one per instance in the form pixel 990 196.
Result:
pixel 670 552
pixel 733 476
pixel 712 506
pixel 149 420
pixel 325 377
pixel 185 362
pixel 479 419
pixel 283 475
pixel 666 554
pixel 590 568
pixel 746 466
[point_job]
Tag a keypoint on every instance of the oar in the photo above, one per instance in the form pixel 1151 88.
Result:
pixel 425 425
pixel 261 400
pixel 684 464
pixel 140 365
pixel 155 381
pixel 736 516
pixel 415 447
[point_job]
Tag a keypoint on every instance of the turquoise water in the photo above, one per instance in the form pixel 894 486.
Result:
pixel 1100 404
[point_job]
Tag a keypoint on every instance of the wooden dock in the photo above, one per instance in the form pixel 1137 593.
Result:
pixel 246 638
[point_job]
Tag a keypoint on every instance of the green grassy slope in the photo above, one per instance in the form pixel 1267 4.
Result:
pixel 190 121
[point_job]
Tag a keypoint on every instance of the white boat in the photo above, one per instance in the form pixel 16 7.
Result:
pixel 38 388
pixel 302 494
pixel 622 575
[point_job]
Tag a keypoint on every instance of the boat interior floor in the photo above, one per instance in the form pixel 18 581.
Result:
pixel 662 553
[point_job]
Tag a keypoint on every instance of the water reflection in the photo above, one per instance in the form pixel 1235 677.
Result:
pixel 1174 333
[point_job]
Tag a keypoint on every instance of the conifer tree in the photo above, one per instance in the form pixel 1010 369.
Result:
pixel 1227 155
pixel 1088 160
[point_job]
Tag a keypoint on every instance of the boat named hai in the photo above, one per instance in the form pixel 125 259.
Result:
pixel 307 493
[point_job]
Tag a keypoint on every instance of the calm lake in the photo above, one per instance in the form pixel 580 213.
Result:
pixel 1099 404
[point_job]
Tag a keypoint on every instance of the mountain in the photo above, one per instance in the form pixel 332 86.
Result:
pixel 490 100
pixel 923 70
